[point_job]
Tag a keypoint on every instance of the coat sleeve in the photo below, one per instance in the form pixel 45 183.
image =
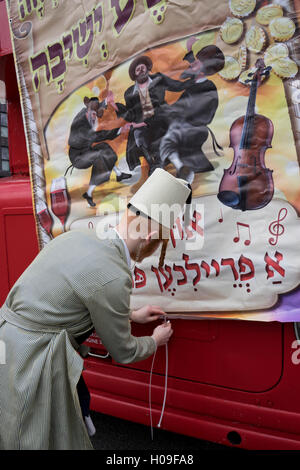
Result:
pixel 175 85
pixel 109 310
pixel 99 136
pixel 82 136
pixel 129 111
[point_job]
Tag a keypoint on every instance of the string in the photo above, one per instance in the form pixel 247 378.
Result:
pixel 150 385
pixel 165 389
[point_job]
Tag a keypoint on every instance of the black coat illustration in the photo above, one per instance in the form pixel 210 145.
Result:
pixel 83 153
pixel 188 119
pixel 157 125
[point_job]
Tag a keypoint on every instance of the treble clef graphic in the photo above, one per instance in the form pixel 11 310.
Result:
pixel 276 228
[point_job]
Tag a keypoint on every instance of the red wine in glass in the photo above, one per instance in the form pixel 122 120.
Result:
pixel 44 217
pixel 60 200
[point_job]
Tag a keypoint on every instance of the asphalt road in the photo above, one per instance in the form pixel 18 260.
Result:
pixel 117 434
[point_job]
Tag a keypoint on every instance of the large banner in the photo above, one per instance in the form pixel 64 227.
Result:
pixel 208 90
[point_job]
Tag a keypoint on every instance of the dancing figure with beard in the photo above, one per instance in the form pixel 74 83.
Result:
pixel 190 115
pixel 87 148
pixel 146 109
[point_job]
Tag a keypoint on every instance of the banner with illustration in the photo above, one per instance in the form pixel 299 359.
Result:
pixel 207 90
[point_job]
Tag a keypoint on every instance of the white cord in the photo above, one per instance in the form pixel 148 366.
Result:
pixel 150 384
pixel 165 392
pixel 166 388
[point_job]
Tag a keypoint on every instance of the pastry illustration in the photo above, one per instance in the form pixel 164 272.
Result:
pixel 231 69
pixel 231 30
pixel 266 14
pixel 242 8
pixel 255 39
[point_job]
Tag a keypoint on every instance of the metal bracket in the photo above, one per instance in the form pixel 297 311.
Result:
pixel 105 356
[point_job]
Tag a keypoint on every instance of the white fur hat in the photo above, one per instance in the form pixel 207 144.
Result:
pixel 162 197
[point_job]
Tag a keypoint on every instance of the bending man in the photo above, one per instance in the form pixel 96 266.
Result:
pixel 77 284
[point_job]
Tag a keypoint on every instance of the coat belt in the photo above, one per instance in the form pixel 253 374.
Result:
pixel 18 320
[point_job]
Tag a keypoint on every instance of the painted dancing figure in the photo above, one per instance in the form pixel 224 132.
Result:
pixel 190 115
pixel 88 149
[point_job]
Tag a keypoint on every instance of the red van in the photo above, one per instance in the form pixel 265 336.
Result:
pixel 232 382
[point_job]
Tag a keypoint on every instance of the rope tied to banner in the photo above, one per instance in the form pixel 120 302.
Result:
pixel 165 389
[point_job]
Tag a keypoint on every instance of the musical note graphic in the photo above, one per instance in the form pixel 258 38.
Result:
pixel 277 229
pixel 237 239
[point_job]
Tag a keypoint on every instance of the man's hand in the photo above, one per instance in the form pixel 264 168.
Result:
pixel 137 125
pixel 110 97
pixel 162 334
pixel 125 128
pixel 110 100
pixel 147 314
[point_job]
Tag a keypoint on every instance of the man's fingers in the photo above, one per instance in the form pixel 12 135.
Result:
pixel 157 309
pixel 153 317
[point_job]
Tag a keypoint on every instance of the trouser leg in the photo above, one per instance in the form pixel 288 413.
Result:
pixel 141 140
pixel 191 148
pixel 170 145
pixel 146 141
pixel 182 145
pixel 84 400
pixel 103 164
pixel 102 159
pixel 84 397
pixel 170 150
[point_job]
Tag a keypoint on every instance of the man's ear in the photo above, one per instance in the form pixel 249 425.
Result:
pixel 86 101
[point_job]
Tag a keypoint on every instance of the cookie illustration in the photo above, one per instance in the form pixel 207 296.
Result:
pixel 242 57
pixel 282 29
pixel 231 30
pixel 274 52
pixel 231 69
pixel 255 39
pixel 268 13
pixel 242 8
pixel 284 67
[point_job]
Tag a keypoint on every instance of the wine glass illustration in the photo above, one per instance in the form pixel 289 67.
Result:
pixel 60 200
pixel 44 217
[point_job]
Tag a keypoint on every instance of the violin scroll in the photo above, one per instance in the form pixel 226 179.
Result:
pixel 261 71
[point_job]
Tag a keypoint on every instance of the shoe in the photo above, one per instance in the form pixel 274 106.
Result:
pixel 89 199
pixel 186 174
pixel 123 176
pixel 89 426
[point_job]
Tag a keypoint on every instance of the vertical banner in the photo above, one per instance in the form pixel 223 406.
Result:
pixel 208 91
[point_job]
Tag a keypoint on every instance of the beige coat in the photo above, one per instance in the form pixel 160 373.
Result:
pixel 77 282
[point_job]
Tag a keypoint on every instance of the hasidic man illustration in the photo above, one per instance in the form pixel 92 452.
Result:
pixel 190 115
pixel 88 149
pixel 145 106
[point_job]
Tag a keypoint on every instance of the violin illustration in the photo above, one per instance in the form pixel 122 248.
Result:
pixel 247 184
